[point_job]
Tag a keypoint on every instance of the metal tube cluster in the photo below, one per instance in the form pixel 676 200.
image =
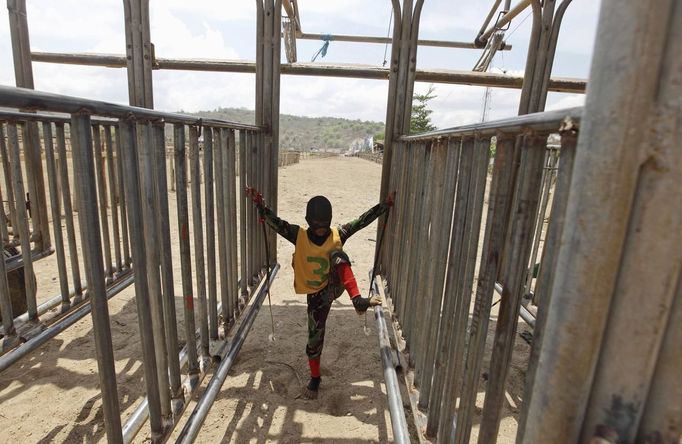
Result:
pixel 111 166
pixel 466 209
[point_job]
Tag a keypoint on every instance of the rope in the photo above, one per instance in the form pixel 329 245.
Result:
pixel 323 50
pixel 388 33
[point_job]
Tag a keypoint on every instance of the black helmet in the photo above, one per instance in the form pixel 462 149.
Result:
pixel 318 212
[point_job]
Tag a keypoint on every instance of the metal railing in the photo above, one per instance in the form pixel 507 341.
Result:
pixel 108 180
pixel 461 227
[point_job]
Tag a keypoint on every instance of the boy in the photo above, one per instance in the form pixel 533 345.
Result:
pixel 321 269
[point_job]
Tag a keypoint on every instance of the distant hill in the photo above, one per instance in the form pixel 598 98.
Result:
pixel 304 133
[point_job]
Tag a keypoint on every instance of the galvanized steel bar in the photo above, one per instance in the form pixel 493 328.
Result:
pixel 8 359
pixel 122 201
pixel 198 234
pixel 548 264
pixel 244 204
pixel 455 303
pixel 56 215
pixel 209 182
pixel 112 197
pixel 525 207
pixel 90 237
pixel 401 433
pixel 166 264
pixel 22 220
pixel 68 213
pixel 102 197
pixel 506 18
pixel 194 422
pixel 603 253
pixel 6 168
pixel 129 151
pixel 417 236
pixel 441 214
pixel 5 300
pixel 230 282
pixel 231 206
pixel 185 252
pixel 420 267
pixel 444 224
pixel 495 229
pixel 384 40
pixel 225 289
pixel 28 99
pixel 146 153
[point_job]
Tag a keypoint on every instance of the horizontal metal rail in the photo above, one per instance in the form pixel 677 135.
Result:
pixel 29 99
pixel 442 76
pixel 53 330
pixel 545 121
pixel 395 402
pixel 196 419
pixel 383 40
pixel 18 116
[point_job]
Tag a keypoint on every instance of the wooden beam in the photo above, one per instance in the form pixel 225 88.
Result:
pixel 557 84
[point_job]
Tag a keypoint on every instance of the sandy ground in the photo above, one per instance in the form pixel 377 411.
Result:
pixel 53 394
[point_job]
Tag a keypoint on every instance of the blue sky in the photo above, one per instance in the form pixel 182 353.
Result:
pixel 225 29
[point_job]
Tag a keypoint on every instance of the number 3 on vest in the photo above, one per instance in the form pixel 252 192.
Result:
pixel 321 270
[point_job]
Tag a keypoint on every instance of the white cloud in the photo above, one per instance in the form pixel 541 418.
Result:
pixel 173 38
pixel 226 29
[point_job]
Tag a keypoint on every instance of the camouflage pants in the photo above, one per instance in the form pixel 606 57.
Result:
pixel 319 305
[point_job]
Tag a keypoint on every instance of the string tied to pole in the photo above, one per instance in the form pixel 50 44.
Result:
pixel 326 38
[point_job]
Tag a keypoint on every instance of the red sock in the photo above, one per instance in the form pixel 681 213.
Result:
pixel 347 278
pixel 314 367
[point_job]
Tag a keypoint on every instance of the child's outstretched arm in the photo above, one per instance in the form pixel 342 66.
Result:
pixel 352 227
pixel 282 227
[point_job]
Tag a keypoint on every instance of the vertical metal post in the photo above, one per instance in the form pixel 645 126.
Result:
pixel 231 205
pixel 122 201
pixel 443 224
pixel 244 138
pixel 185 252
pixel 23 72
pixel 496 224
pixel 198 232
pixel 546 275
pixel 225 288
pixel 146 145
pixel 455 300
pixel 274 148
pixel 166 262
pixel 6 168
pixel 102 195
pixel 68 213
pixel 22 220
pixel 525 207
pixel 56 214
pixel 5 301
pixel 129 151
pixel 617 243
pixel 112 196
pixel 209 182
pixel 139 52
pixel 91 243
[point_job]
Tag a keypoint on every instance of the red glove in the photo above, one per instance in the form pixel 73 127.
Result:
pixel 390 199
pixel 255 196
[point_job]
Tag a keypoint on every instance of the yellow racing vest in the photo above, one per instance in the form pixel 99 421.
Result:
pixel 311 262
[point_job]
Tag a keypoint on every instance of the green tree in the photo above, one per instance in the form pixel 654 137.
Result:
pixel 420 119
